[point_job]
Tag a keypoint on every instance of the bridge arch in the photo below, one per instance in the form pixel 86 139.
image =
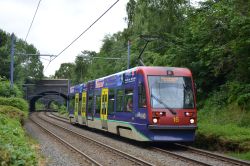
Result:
pixel 49 89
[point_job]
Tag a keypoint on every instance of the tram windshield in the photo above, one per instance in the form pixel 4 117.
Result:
pixel 173 92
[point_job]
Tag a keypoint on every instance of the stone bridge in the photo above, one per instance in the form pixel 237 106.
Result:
pixel 47 90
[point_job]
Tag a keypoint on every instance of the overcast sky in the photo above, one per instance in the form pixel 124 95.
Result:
pixel 59 22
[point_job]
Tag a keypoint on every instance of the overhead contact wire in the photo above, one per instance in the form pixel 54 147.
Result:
pixel 33 19
pixel 85 30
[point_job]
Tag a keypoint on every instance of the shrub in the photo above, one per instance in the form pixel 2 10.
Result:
pixel 6 91
pixel 244 101
pixel 62 110
pixel 15 102
pixel 13 113
pixel 238 92
pixel 15 148
pixel 229 93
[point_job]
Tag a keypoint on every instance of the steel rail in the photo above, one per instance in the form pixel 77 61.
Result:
pixel 181 157
pixel 58 117
pixel 215 155
pixel 117 151
pixel 65 143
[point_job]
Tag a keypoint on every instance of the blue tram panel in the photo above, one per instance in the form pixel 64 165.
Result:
pixel 143 103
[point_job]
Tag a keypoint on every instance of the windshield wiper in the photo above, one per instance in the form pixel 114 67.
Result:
pixel 165 105
pixel 187 87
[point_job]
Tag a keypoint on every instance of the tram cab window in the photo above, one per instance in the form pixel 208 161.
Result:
pixel 111 101
pixel 129 99
pixel 142 96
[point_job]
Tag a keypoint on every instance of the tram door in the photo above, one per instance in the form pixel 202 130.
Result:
pixel 104 108
pixel 76 106
pixel 83 111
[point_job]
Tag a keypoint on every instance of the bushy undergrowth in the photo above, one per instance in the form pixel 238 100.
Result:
pixel 6 91
pixel 63 110
pixel 13 113
pixel 15 102
pixel 230 114
pixel 231 92
pixel 244 156
pixel 14 147
pixel 39 106
pixel 224 121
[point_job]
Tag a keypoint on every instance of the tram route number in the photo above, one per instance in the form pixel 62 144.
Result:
pixel 176 119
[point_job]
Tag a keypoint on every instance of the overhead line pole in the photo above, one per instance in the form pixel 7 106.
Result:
pixel 12 51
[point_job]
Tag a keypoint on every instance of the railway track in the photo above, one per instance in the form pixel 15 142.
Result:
pixel 190 154
pixel 201 158
pixel 64 142
pixel 131 160
pixel 56 116
pixel 179 157
pixel 216 156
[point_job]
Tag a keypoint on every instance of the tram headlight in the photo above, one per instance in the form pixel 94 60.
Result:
pixel 191 121
pixel 188 114
pixel 159 114
pixel 155 120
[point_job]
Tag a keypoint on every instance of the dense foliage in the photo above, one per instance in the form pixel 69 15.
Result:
pixel 6 91
pixel 24 66
pixel 15 102
pixel 14 147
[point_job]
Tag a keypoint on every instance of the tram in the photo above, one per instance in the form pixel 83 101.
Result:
pixel 155 104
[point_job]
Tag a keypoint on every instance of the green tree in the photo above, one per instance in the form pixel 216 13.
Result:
pixel 215 44
pixel 66 71
pixel 83 64
pixel 24 66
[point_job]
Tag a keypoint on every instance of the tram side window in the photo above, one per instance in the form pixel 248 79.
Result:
pixel 90 103
pixel 80 97
pixel 129 100
pixel 111 101
pixel 142 96
pixel 98 104
pixel 119 100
